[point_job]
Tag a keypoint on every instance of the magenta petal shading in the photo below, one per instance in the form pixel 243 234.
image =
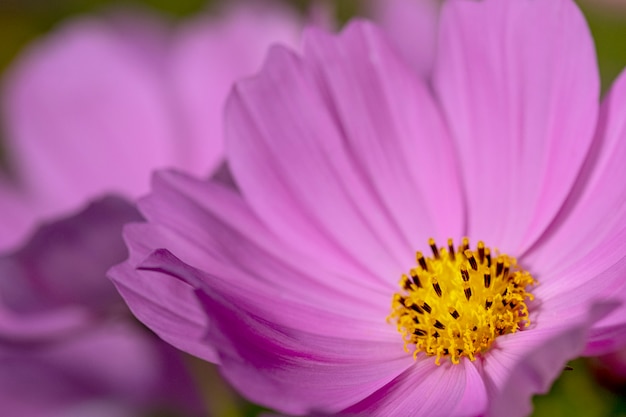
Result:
pixel 610 369
pixel 179 319
pixel 306 369
pixel 38 286
pixel 519 85
pixel 93 372
pixel 67 342
pixel 223 215
pixel 608 334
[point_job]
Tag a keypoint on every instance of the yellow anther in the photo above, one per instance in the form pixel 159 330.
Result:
pixel 460 301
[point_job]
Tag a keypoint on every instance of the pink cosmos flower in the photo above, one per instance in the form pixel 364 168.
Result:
pixel 91 110
pixel 306 287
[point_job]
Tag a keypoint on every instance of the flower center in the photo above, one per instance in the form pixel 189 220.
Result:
pixel 456 303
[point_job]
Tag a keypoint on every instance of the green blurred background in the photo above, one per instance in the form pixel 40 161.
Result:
pixel 579 392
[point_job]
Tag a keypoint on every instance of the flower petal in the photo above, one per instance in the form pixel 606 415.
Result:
pixel 475 397
pixel 597 275
pixel 57 281
pixel 168 307
pixel 211 228
pixel 527 362
pixel 596 211
pixel 60 379
pixel 608 334
pixel 233 239
pixel 519 86
pixel 593 264
pixel 279 353
pixel 412 28
pixel 426 389
pixel 17 217
pixel 342 154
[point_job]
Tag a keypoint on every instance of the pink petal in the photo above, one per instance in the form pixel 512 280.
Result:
pixel 608 334
pixel 583 251
pixel 18 212
pixel 527 362
pixel 168 307
pixel 598 274
pixel 596 211
pixel 340 168
pixel 426 389
pixel 208 55
pixel 115 367
pixel 519 86
pixel 202 221
pixel 287 358
pixel 51 324
pixel 475 397
pixel 56 282
pixel 232 236
pixel 412 28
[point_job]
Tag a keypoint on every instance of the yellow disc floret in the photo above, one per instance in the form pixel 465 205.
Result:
pixel 456 303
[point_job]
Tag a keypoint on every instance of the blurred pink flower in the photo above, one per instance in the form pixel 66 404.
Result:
pixel 99 104
pixel 67 343
pixel 347 161
pixel 90 110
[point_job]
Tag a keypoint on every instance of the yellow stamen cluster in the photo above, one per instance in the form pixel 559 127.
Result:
pixel 457 302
